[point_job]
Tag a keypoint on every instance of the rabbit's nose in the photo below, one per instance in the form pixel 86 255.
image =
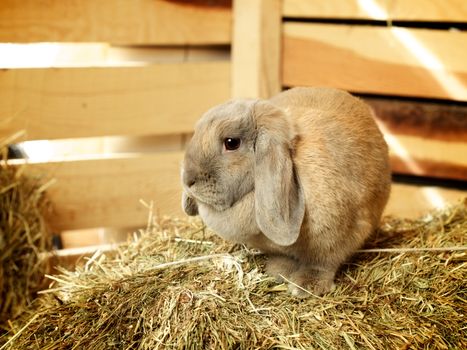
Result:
pixel 189 178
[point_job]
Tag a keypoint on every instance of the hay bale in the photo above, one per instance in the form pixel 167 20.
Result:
pixel 23 240
pixel 179 286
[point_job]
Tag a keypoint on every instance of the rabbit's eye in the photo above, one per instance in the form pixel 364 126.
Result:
pixel 231 143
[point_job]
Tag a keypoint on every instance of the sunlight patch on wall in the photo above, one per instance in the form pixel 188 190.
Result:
pixel 453 87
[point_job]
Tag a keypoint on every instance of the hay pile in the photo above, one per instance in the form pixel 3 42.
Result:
pixel 23 240
pixel 178 286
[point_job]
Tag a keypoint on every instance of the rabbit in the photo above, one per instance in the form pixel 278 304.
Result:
pixel 303 176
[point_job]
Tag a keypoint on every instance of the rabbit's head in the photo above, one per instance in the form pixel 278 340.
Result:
pixel 241 147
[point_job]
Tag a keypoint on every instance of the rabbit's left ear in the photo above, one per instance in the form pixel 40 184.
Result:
pixel 279 199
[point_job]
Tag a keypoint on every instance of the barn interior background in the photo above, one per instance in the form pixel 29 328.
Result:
pixel 102 96
pixel 106 93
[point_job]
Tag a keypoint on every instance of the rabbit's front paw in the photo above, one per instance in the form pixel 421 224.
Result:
pixel 281 267
pixel 307 282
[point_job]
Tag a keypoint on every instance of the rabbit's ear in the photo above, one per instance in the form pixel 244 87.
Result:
pixel 279 199
pixel 189 205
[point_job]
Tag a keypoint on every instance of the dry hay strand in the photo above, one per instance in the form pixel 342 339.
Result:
pixel 23 240
pixel 179 286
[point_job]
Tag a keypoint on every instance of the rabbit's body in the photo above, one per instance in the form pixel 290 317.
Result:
pixel 307 185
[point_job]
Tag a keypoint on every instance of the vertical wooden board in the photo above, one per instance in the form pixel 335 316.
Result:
pixel 256 48
pixel 412 10
pixel 54 103
pixel 135 22
pixel 395 61
pixel 107 192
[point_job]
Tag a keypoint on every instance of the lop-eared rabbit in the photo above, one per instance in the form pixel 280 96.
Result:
pixel 303 177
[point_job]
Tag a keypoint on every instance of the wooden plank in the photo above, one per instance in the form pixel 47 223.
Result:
pixel 132 101
pixel 107 192
pixel 425 157
pixel 256 48
pixel 94 237
pixel 396 61
pixel 413 10
pixel 86 148
pixel 407 201
pixel 413 201
pixel 425 138
pixel 433 120
pixel 69 258
pixel 45 55
pixel 135 22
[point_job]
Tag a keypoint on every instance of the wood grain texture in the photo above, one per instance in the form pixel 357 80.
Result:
pixel 395 61
pixel 431 120
pixel 256 49
pixel 428 167
pixel 406 201
pixel 93 237
pixel 46 55
pixel 411 10
pixel 128 22
pixel 55 103
pixel 425 138
pixel 427 157
pixel 107 192
pixel 411 201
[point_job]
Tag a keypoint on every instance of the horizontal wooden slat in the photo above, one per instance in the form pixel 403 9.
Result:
pixel 425 157
pixel 94 237
pixel 406 201
pixel 413 201
pixel 408 10
pixel 425 138
pixel 46 55
pixel 86 102
pixel 396 61
pixel 107 192
pixel 430 120
pixel 69 258
pixel 134 22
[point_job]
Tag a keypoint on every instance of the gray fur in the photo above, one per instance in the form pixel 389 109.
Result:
pixel 307 186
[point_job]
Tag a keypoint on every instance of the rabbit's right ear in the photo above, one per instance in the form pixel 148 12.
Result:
pixel 279 199
pixel 189 205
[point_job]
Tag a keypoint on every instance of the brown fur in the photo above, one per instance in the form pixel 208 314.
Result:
pixel 307 186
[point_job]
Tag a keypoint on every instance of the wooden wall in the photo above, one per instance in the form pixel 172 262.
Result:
pixel 149 68
pixel 412 55
pixel 120 22
pixel 403 58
